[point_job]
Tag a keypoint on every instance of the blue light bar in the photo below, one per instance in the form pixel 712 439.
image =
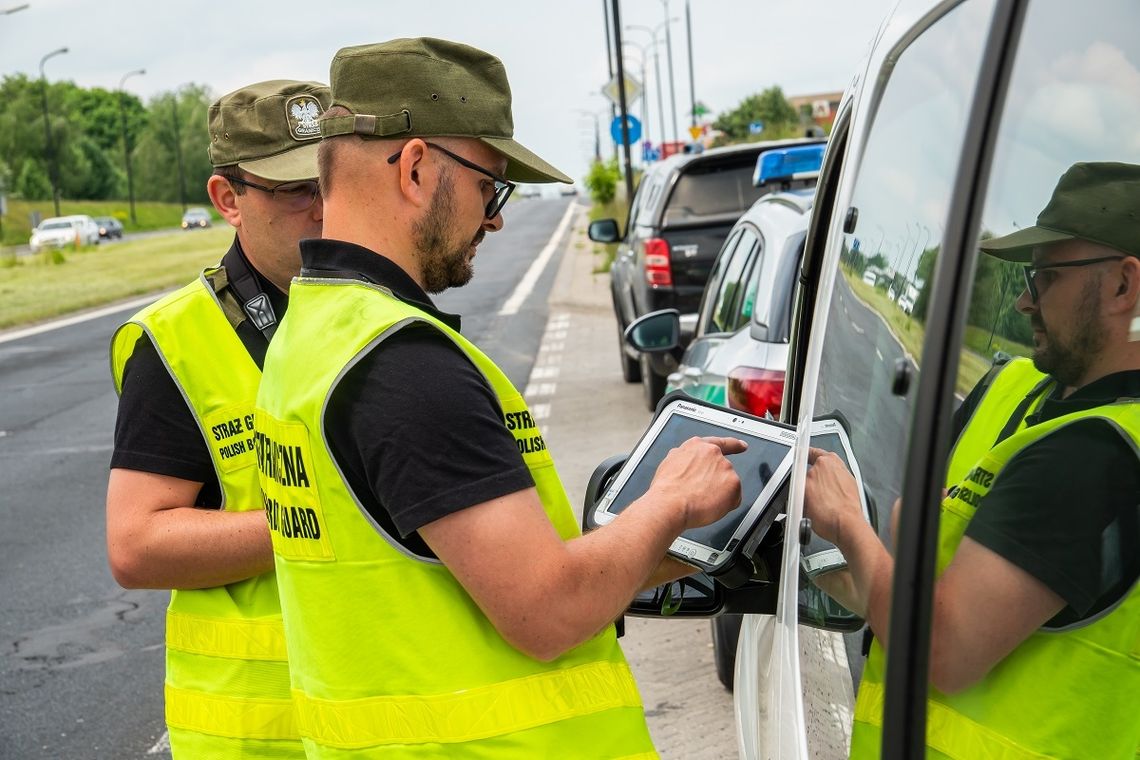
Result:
pixel 787 163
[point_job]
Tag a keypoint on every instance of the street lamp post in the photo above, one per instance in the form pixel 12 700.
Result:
pixel 610 65
pixel 597 133
pixel 692 86
pixel 615 8
pixel 178 151
pixel 669 64
pixel 644 98
pixel 653 32
pixel 49 152
pixel 127 142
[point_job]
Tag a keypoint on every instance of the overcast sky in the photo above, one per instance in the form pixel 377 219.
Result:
pixel 554 51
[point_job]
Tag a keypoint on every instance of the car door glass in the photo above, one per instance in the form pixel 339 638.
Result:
pixel 1089 61
pixel 726 311
pixel 1092 61
pixel 752 280
pixel 712 289
pixel 874 324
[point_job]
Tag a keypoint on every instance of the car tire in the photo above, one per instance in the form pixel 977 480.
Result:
pixel 652 384
pixel 725 635
pixel 630 368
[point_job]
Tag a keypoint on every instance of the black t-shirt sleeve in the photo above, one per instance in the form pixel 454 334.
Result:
pixel 1067 511
pixel 419 433
pixel 155 431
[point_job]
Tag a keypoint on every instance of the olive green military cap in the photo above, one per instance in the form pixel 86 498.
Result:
pixel 427 87
pixel 1098 202
pixel 269 129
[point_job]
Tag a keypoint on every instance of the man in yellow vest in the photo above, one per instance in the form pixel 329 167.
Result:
pixel 184 510
pixel 438 598
pixel 1035 639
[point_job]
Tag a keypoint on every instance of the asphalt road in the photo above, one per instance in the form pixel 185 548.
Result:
pixel 861 355
pixel 82 666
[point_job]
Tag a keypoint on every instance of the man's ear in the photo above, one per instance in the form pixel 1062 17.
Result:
pixel 224 198
pixel 412 165
pixel 1126 292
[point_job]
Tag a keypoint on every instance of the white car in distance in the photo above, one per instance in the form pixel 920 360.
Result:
pixel 60 231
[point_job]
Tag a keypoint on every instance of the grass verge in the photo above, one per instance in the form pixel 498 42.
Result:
pixel 39 287
pixel 617 209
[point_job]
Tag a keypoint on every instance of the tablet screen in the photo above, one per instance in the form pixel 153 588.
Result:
pixel 830 442
pixel 756 467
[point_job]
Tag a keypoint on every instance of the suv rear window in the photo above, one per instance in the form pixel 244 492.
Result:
pixel 715 191
pixel 711 190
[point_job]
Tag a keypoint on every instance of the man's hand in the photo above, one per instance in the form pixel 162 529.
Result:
pixel 831 495
pixel 697 473
pixel 544 594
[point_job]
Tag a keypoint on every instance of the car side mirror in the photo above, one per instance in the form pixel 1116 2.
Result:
pixel 656 332
pixel 604 231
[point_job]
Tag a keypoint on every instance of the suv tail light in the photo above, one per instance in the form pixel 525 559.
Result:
pixel 756 391
pixel 658 269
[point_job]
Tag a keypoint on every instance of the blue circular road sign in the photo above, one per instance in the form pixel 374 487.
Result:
pixel 633 124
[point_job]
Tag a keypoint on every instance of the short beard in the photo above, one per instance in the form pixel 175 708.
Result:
pixel 1069 361
pixel 442 264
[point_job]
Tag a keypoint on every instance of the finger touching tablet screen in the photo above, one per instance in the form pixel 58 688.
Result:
pixel 762 469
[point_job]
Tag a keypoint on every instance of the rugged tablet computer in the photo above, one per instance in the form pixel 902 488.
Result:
pixel 828 433
pixel 762 470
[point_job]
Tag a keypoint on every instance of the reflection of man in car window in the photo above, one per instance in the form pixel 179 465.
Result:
pixel 1036 628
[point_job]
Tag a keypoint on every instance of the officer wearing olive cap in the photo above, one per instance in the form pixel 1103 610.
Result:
pixel 1037 605
pixel 437 597
pixel 184 511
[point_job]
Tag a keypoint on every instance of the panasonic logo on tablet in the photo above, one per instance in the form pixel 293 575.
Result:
pixel 686 407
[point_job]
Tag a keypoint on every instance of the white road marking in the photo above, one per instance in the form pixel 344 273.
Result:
pixel 528 281
pixel 540 411
pixel 69 450
pixel 137 303
pixel 552 348
pixel 162 746
pixel 538 390
pixel 878 353
pixel 545 373
pixel 857 328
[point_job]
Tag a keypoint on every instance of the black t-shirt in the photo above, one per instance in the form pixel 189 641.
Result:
pixel 414 426
pixel 1066 509
pixel 155 430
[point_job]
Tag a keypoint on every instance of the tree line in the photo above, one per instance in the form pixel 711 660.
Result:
pixel 86 144
pixel 771 109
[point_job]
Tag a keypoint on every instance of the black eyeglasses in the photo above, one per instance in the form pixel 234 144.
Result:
pixel 1032 271
pixel 503 188
pixel 296 196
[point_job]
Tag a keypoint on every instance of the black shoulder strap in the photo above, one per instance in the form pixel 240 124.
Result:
pixel 245 285
pixel 1023 409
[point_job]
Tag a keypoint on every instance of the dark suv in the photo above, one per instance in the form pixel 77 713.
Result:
pixel 680 215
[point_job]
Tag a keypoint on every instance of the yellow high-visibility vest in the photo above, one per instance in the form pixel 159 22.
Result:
pixel 390 656
pixel 1072 693
pixel 227 680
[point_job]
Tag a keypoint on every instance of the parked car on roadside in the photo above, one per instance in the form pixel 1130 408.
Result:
pixel 109 227
pixel 681 213
pixel 196 218
pixel 61 231
pixel 949 128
